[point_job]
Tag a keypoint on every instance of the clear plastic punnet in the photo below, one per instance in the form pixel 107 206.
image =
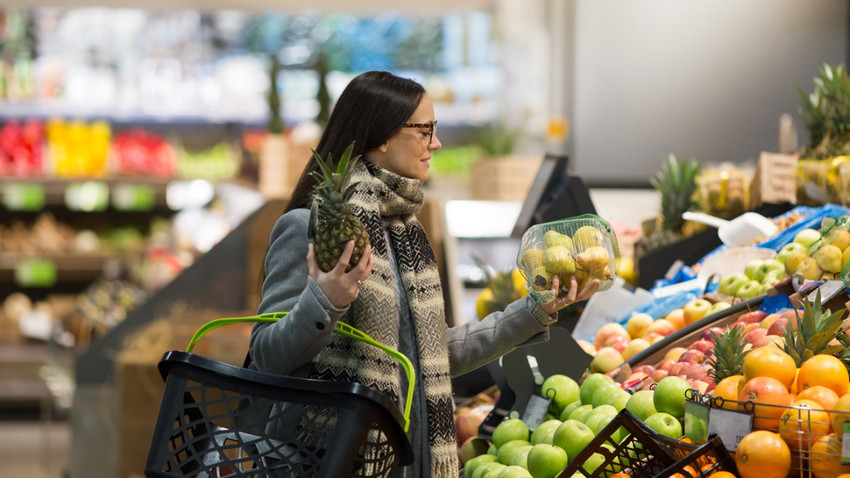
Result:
pixel 583 246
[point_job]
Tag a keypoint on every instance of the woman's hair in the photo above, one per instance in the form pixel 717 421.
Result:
pixel 372 108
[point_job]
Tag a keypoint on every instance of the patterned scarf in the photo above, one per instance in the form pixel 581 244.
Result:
pixel 387 200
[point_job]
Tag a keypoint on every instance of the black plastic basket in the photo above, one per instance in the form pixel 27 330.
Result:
pixel 710 457
pixel 219 420
pixel 640 454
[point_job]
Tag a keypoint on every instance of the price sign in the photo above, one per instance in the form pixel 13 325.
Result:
pixel 133 197
pixel 23 197
pixel 88 196
pixel 696 421
pixel 35 273
pixel 775 180
pixel 845 445
pixel 730 425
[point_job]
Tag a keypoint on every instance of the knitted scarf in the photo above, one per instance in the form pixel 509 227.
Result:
pixel 384 200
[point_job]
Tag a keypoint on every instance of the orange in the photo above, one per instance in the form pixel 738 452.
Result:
pixel 729 389
pixel 825 458
pixel 803 424
pixel 770 362
pixel 840 414
pixel 794 388
pixel 722 474
pixel 687 472
pixel 769 396
pixel 824 370
pixel 822 395
pixel 763 454
pixel 620 475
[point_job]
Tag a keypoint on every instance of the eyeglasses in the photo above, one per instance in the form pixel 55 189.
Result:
pixel 432 128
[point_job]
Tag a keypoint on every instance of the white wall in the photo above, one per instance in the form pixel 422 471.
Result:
pixel 699 78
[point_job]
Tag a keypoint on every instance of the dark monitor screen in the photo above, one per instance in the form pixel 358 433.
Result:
pixel 554 194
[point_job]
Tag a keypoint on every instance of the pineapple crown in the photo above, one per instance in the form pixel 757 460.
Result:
pixel 826 112
pixel 729 353
pixel 332 185
pixel 813 331
pixel 501 283
pixel 676 182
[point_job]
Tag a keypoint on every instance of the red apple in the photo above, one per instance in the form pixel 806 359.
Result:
pixel 634 347
pixel 754 335
pixel 778 326
pixel 676 317
pixel 749 328
pixel 692 356
pixel 773 340
pixel 618 342
pixel 768 320
pixel 588 347
pixel 658 375
pixel 606 332
pixel 661 326
pixel 697 370
pixel 706 334
pixel 665 365
pixel 646 368
pixel 704 346
pixel 752 317
pixel 674 353
pixel 701 386
pixel 676 368
pixel 605 360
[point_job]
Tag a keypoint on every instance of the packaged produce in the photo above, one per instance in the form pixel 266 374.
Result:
pixel 584 246
pixel 823 253
pixel 724 190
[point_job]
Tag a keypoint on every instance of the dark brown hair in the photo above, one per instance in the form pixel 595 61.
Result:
pixel 372 108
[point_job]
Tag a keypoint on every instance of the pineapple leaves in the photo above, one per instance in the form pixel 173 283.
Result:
pixel 813 330
pixel 729 353
pixel 676 184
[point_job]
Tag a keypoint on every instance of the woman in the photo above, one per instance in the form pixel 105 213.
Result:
pixel 393 293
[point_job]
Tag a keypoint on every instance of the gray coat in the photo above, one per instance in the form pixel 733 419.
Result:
pixel 288 346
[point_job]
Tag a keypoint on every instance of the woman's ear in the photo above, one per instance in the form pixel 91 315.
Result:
pixel 383 148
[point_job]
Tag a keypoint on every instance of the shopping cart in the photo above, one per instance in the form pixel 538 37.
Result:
pixel 220 420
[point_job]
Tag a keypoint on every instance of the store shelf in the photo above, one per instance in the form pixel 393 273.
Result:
pixel 69 268
pixel 55 190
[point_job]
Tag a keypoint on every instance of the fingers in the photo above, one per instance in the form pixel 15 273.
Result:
pixel 345 257
pixel 589 289
pixel 312 264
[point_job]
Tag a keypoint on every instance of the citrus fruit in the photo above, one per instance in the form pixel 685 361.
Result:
pixel 765 393
pixel 820 394
pixel 825 457
pixel 824 370
pixel 763 454
pixel 840 414
pixel 721 474
pixel 729 389
pixel 482 306
pixel 803 424
pixel 770 362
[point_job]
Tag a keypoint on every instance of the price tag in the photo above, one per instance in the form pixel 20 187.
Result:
pixel 535 411
pixel 777 181
pixel 845 445
pixel 730 425
pixel 696 421
pixel 35 273
pixel 133 197
pixel 88 196
pixel 23 197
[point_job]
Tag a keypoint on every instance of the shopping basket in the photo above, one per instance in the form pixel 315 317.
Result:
pixel 220 420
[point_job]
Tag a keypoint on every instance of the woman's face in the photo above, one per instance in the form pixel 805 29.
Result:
pixel 408 152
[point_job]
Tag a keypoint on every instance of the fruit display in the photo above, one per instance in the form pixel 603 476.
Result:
pixel 335 225
pixel 724 190
pixel 139 152
pixel 21 150
pixel 583 247
pixel 78 148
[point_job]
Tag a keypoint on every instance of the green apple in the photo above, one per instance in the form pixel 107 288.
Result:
pixel 730 284
pixel 488 467
pixel 641 404
pixel 573 436
pixel 509 430
pixel 472 447
pixel 788 249
pixel 718 306
pixel 565 413
pixel 598 414
pixel 518 455
pixel 470 466
pixel 579 413
pixel 514 471
pixel 751 268
pixel 807 236
pixel 546 461
pixel 545 432
pixel 767 266
pixel 749 289
pixel 562 389
pixel 590 384
pixel 604 393
pixel 669 395
pixel 665 424
pixel 505 450
pixel 773 277
pixel 593 462
pixel 695 310
pixel 620 399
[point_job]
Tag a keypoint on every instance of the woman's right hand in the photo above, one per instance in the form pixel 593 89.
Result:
pixel 340 287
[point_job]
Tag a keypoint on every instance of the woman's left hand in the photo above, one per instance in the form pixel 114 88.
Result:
pixel 573 295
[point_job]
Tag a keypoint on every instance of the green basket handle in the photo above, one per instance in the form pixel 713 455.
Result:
pixel 341 328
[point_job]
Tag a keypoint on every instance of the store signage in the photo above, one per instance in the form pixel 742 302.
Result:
pixel 775 180
pixel 23 197
pixel 696 421
pixel 730 425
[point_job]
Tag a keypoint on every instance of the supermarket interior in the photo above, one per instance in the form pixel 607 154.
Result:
pixel 692 158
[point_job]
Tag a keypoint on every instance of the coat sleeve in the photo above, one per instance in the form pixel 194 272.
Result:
pixel 295 339
pixel 475 344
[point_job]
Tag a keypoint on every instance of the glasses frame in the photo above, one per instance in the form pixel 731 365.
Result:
pixel 432 125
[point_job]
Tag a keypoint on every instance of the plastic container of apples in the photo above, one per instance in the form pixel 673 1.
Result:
pixel 583 246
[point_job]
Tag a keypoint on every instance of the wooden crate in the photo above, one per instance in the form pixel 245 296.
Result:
pixel 505 178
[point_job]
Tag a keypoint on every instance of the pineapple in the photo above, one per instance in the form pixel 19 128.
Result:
pixel 335 223
pixel 503 287
pixel 676 183
pixel 813 331
pixel 729 353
